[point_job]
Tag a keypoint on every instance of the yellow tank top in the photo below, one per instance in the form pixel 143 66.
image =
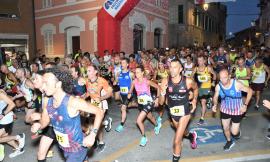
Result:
pixel 162 75
pixel 9 83
pixel 204 77
pixel 242 73
pixel 233 57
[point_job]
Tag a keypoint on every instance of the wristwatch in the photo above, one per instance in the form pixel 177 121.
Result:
pixel 95 131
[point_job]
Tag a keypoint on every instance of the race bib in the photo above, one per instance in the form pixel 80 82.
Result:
pixel 177 110
pixel 62 139
pixel 98 104
pixel 141 100
pixel 203 78
pixel 124 90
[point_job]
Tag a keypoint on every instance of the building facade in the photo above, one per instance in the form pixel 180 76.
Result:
pixel 191 24
pixel 64 26
pixel 17 30
pixel 264 19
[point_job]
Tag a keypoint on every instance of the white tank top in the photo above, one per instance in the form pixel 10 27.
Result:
pixel 259 74
pixel 188 69
pixel 8 118
pixel 27 92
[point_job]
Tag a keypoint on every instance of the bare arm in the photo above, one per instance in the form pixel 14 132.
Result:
pixel 266 68
pixel 9 101
pixel 80 105
pixel 153 84
pixel 163 88
pixel 212 72
pixel 246 89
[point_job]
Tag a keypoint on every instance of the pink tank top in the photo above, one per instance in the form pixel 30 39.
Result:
pixel 142 88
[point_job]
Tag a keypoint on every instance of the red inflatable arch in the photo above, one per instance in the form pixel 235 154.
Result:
pixel 109 27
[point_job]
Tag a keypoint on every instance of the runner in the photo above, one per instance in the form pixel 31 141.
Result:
pixel 159 75
pixel 99 90
pixel 232 107
pixel 48 135
pixel 25 97
pixel 188 66
pixel 63 112
pixel 259 80
pixel 145 101
pixel 242 74
pixel 203 76
pixel 176 88
pixel 10 81
pixel 6 126
pixel 124 80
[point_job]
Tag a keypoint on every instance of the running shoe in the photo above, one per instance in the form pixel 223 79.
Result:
pixel 157 128
pixel 108 127
pixel 17 152
pixel 159 119
pixel 229 145
pixel 194 140
pixel 201 122
pixel 101 147
pixel 268 137
pixel 120 128
pixel 143 141
pixel 21 140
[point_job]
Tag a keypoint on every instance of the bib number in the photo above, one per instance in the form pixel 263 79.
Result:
pixel 203 78
pixel 98 104
pixel 62 139
pixel 141 100
pixel 124 90
pixel 177 111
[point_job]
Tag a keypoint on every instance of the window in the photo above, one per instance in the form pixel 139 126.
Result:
pixel 158 2
pixel 173 15
pixel 48 42
pixel 138 37
pixel 46 3
pixel 180 14
pixel 157 38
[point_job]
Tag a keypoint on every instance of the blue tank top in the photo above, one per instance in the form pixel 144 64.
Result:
pixel 67 130
pixel 250 63
pixel 231 100
pixel 78 90
pixel 124 82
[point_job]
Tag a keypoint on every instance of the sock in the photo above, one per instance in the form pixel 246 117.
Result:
pixel 42 160
pixel 143 135
pixel 122 123
pixel 176 158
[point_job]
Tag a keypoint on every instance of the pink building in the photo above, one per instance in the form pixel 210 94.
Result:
pixel 64 26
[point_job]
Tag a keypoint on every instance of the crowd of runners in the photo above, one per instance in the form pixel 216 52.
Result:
pixel 66 100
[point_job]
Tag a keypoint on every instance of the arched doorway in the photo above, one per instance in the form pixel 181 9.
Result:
pixel 157 38
pixel 138 38
pixel 72 39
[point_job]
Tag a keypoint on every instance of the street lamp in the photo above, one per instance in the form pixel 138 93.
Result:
pixel 205 6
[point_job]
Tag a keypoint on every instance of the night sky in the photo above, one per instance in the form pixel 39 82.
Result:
pixel 238 23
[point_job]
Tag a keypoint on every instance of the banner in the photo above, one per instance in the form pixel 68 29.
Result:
pixel 210 1
pixel 112 7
